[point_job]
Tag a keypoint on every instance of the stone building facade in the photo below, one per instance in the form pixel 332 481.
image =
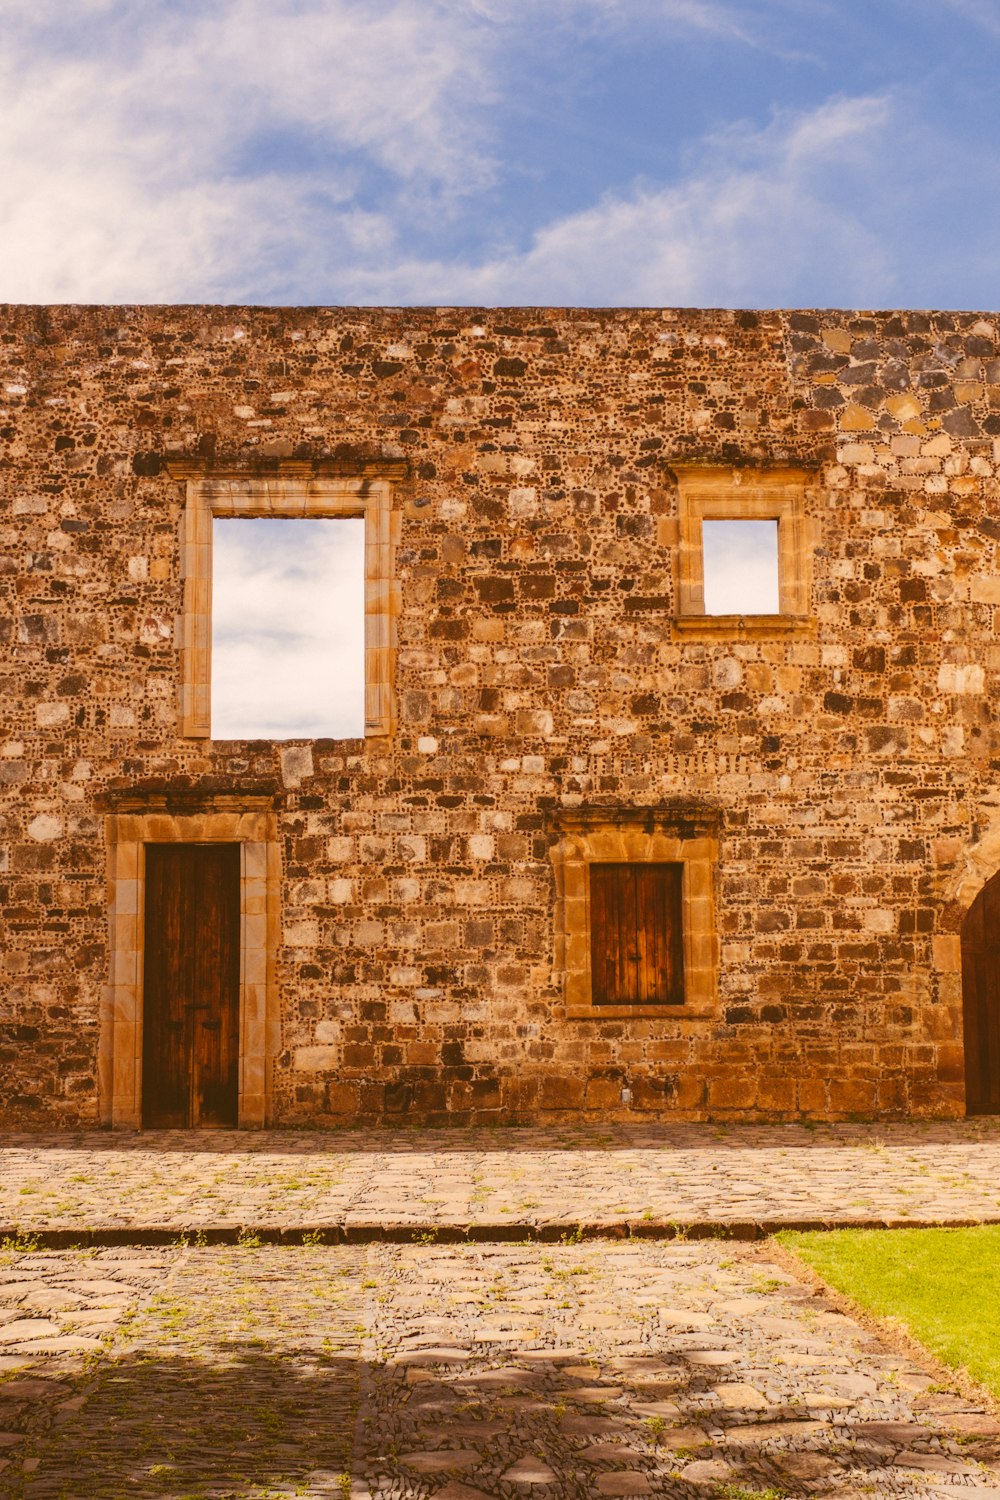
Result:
pixel 545 693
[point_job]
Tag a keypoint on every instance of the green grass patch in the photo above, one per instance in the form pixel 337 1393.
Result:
pixel 942 1285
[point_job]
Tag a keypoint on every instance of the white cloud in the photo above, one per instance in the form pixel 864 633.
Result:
pixel 288 629
pixel 265 150
pixel 760 219
pixel 130 159
pixel 698 15
pixel 984 13
pixel 389 78
pixel 814 135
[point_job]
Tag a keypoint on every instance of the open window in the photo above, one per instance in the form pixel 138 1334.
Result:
pixel 288 612
pixel 743 562
pixel 740 566
pixel 635 913
pixel 353 677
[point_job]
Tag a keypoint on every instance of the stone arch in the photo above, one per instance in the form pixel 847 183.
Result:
pixel 975 865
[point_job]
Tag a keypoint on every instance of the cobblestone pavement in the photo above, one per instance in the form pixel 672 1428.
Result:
pixel 685 1369
pixel 515 1183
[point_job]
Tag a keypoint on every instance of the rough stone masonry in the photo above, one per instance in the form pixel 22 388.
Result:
pixel 548 693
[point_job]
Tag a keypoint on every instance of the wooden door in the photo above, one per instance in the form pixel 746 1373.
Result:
pixel 636 937
pixel 191 986
pixel 981 1001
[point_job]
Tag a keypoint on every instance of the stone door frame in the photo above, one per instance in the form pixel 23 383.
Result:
pixel 120 1048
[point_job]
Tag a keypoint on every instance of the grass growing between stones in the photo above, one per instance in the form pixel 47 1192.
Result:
pixel 941 1285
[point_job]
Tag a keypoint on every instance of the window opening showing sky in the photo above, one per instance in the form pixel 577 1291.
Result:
pixel 288 629
pixel 741 567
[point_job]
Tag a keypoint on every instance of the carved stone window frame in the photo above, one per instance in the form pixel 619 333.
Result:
pixel 369 499
pixel 714 493
pixel 684 836
pixel 120 1047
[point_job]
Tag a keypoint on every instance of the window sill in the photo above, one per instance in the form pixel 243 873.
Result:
pixel 743 627
pixel 638 1012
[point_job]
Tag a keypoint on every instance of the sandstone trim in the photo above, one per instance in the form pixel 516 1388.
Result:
pixel 636 835
pixel 710 492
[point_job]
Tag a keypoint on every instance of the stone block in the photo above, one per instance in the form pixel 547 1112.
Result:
pixel 850 1096
pixel 317 1059
pixel 561 1093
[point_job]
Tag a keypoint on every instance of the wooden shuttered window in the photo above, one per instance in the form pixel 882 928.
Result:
pixel 636 934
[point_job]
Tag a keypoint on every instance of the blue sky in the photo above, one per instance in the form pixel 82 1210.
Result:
pixel 686 152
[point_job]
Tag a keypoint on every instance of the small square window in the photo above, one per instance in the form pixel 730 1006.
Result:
pixel 636 934
pixel 743 559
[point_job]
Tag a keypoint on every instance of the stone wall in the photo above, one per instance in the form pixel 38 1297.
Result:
pixel 850 765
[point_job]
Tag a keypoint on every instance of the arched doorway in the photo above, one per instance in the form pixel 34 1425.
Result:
pixel 981 1000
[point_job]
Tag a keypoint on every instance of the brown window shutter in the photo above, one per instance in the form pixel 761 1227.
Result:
pixel 636 936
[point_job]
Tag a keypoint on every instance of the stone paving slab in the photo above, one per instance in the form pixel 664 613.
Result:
pixel 496 1184
pixel 571 1372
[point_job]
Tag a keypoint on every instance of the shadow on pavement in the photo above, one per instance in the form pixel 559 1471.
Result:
pixel 248 1423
